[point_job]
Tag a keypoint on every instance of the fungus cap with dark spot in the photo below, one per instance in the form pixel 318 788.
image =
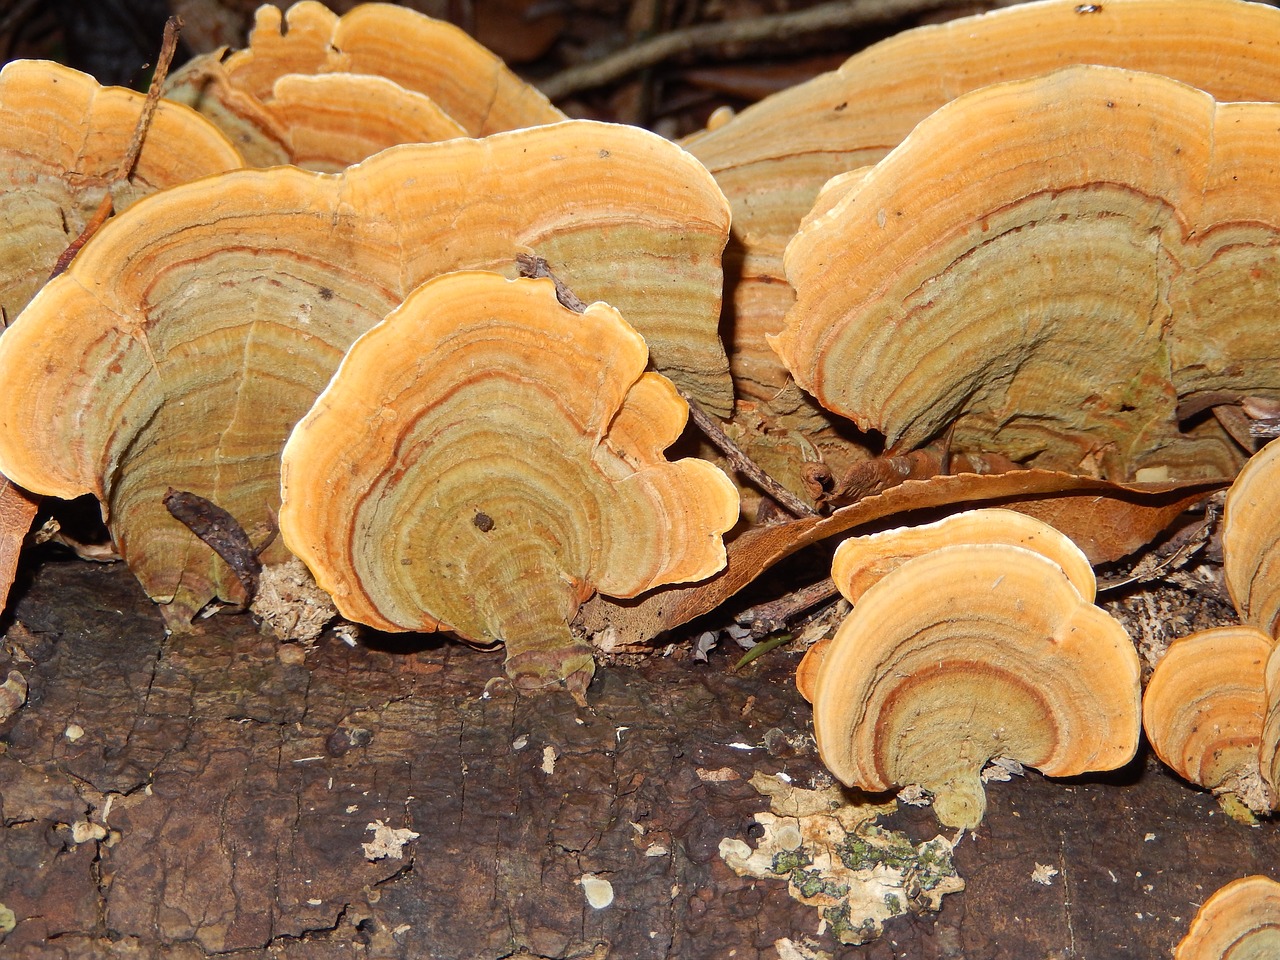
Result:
pixel 486 458
pixel 189 337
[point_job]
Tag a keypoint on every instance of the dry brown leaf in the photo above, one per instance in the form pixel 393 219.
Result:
pixel 1106 520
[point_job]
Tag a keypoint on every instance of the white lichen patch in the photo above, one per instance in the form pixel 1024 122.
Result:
pixel 290 604
pixel 597 890
pixel 387 841
pixel 834 856
pixel 1043 874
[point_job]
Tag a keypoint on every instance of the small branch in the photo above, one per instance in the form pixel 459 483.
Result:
pixel 168 46
pixel 743 464
pixel 535 268
pixel 766 618
pixel 841 14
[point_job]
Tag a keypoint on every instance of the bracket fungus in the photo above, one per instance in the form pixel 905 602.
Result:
pixel 968 652
pixel 377 76
pixel 772 158
pixel 1251 529
pixel 195 330
pixel 1241 921
pixel 1204 711
pixel 486 458
pixel 62 139
pixel 1045 264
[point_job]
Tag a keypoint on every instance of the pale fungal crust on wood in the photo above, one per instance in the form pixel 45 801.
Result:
pixel 435 80
pixel 62 139
pixel 1251 529
pixel 1204 710
pixel 485 459
pixel 969 652
pixel 1042 263
pixel 1241 921
pixel 195 330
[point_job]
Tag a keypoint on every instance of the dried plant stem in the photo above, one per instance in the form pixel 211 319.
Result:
pixel 743 464
pixel 765 618
pixel 168 46
pixel 841 14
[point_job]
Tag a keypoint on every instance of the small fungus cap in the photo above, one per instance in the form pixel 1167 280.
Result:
pixel 1204 709
pixel 966 653
pixel 1241 921
pixel 860 562
pixel 1251 540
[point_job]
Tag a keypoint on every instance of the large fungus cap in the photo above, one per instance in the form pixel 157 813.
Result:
pixel 1251 540
pixel 254 93
pixel 1204 709
pixel 485 459
pixel 62 139
pixel 967 653
pixel 196 329
pixel 1049 264
pixel 1241 921
pixel 772 158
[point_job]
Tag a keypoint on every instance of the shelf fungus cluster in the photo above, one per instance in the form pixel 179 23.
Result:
pixel 970 639
pixel 485 459
pixel 1212 707
pixel 322 91
pixel 198 327
pixel 1048 266
pixel 773 158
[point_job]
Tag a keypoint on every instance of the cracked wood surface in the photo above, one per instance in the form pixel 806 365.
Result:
pixel 221 791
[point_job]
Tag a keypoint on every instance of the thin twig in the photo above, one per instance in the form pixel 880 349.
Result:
pixel 743 464
pixel 765 618
pixel 168 46
pixel 841 14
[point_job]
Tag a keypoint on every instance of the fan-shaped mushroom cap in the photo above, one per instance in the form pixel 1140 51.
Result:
pixel 420 55
pixel 1037 262
pixel 860 562
pixel 1251 529
pixel 1204 708
pixel 62 137
pixel 186 341
pixel 487 458
pixel 967 653
pixel 772 158
pixel 1241 921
